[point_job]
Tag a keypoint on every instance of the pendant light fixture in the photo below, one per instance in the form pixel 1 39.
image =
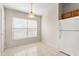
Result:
pixel 31 14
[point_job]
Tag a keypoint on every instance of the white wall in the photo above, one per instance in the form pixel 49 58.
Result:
pixel 50 27
pixel 10 42
pixel 0 29
pixel 2 34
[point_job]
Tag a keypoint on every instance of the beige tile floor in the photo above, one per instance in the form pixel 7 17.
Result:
pixel 36 49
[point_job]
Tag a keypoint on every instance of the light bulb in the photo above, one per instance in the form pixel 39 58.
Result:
pixel 31 15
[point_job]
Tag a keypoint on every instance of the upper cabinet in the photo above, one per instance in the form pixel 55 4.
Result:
pixel 66 15
pixel 68 10
pixel 70 14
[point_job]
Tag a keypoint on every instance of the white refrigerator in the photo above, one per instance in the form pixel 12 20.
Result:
pixel 69 36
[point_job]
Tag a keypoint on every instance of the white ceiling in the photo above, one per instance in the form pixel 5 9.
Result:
pixel 38 8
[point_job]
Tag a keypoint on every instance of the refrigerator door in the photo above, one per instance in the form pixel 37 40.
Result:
pixel 69 41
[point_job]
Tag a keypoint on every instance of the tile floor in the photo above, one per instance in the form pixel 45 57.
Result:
pixel 36 49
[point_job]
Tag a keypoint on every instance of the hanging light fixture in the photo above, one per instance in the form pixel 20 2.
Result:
pixel 31 14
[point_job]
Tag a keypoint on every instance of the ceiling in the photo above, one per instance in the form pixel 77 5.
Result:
pixel 38 8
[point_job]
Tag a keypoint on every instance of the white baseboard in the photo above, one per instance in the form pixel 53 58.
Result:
pixel 0 53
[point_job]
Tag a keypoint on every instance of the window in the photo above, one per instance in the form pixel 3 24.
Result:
pixel 23 28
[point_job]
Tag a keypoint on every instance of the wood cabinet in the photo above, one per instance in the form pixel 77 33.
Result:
pixel 72 13
pixel 75 12
pixel 67 15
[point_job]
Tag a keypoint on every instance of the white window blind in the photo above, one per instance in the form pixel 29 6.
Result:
pixel 23 28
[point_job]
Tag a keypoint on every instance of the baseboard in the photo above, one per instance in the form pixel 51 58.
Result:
pixel 0 53
pixel 64 53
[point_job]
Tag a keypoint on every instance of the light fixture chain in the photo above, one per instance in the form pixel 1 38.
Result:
pixel 31 6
